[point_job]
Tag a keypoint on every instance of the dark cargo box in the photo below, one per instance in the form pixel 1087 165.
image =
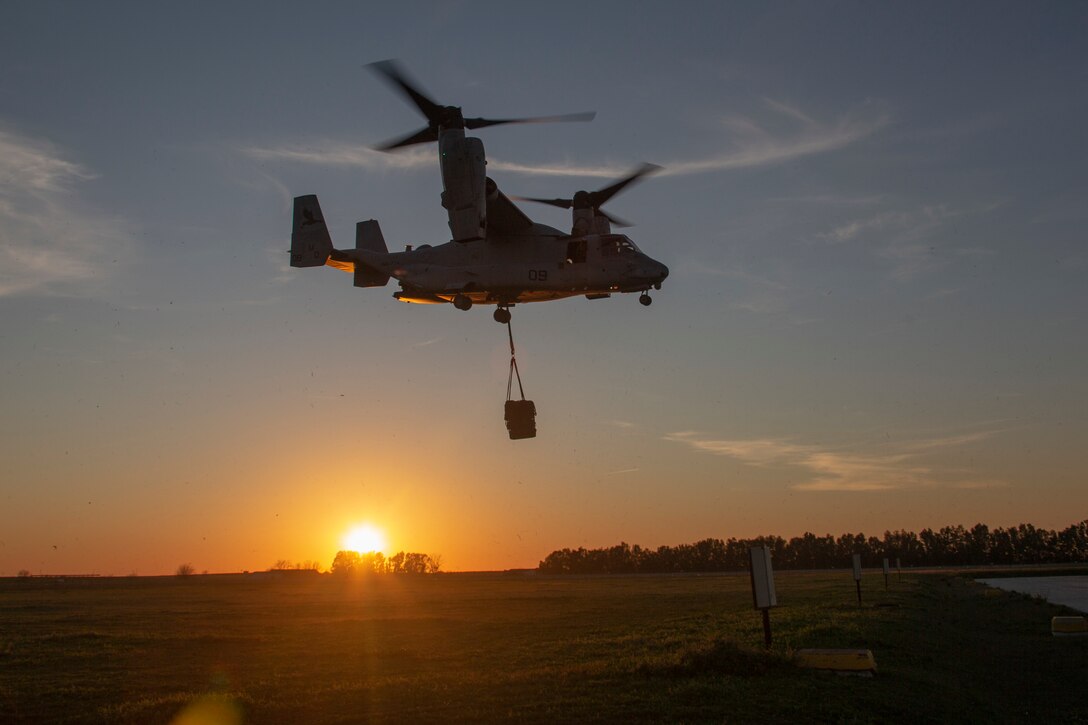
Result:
pixel 521 419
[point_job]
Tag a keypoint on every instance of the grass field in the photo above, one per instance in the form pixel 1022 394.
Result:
pixel 487 647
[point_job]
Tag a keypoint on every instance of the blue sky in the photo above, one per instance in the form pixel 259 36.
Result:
pixel 874 217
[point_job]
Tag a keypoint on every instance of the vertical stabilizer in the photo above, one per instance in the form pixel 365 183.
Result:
pixel 368 237
pixel 310 241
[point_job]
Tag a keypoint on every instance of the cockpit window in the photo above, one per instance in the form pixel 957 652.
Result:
pixel 617 244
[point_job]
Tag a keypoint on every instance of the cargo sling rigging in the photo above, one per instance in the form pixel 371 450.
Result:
pixel 520 415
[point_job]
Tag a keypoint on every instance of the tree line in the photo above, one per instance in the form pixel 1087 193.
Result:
pixel 374 562
pixel 288 565
pixel 949 546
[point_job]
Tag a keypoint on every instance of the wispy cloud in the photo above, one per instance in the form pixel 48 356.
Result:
pixel 887 466
pixel 853 228
pixel 907 239
pixel 428 342
pixel 336 153
pixel 50 241
pixel 598 171
pixel 753 143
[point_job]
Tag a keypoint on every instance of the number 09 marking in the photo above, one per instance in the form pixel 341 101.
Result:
pixel 538 275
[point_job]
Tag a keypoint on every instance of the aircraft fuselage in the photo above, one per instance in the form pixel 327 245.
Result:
pixel 544 264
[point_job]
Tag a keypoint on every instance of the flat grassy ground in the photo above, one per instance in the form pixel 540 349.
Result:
pixel 487 647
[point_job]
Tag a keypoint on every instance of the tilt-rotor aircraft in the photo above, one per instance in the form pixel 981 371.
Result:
pixel 497 255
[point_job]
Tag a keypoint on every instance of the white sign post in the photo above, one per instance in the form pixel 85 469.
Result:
pixel 885 573
pixel 763 593
pixel 857 575
pixel 898 569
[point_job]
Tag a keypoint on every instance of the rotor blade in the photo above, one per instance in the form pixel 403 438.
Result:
pixel 561 203
pixel 602 195
pixel 393 75
pixel 614 220
pixel 473 123
pixel 424 135
pixel 568 203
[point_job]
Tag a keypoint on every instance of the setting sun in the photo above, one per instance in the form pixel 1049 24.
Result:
pixel 364 538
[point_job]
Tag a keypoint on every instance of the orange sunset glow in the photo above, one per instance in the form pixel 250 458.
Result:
pixel 364 539
pixel 549 362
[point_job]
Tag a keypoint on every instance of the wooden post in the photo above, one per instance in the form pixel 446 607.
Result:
pixel 766 628
pixel 857 575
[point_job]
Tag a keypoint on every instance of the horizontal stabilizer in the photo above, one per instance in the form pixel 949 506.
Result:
pixel 310 241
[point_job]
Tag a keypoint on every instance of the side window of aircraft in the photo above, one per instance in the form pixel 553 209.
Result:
pixel 576 251
pixel 613 246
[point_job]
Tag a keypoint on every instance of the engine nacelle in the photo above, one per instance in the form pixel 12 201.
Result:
pixel 464 185
pixel 586 221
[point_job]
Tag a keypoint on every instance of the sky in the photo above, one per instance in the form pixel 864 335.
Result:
pixel 874 216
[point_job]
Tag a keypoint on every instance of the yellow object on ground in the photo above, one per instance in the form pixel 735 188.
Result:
pixel 1062 626
pixel 839 660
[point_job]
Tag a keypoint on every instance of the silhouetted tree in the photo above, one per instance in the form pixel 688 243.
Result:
pixel 372 562
pixel 396 563
pixel 185 570
pixel 415 563
pixel 434 563
pixel 849 544
pixel 809 552
pixel 976 544
pixel 1033 545
pixel 345 562
pixel 903 545
pixel 1071 544
pixel 1002 547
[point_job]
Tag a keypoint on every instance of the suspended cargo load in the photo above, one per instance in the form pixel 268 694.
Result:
pixel 520 415
pixel 521 419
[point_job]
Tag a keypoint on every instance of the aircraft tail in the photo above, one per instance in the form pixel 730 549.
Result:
pixel 368 236
pixel 310 241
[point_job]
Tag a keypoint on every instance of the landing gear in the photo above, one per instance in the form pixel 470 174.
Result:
pixel 502 316
pixel 645 299
pixel 462 302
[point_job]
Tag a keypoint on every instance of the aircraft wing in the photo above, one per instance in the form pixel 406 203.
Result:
pixel 503 218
